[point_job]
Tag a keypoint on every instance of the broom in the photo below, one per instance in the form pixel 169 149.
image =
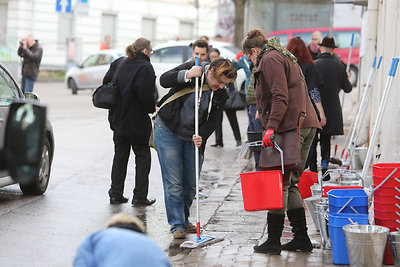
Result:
pixel 198 241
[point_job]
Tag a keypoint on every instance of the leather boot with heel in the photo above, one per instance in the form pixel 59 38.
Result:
pixel 301 241
pixel 275 227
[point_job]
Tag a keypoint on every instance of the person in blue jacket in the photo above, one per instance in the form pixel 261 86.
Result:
pixel 122 243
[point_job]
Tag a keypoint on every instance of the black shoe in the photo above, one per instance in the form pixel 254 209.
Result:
pixel 217 145
pixel 238 143
pixel 313 167
pixel 143 202
pixel 118 200
pixel 335 161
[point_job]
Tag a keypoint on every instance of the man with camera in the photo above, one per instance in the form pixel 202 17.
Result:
pixel 31 54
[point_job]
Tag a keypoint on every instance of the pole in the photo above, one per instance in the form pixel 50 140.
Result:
pixel 378 121
pixel 196 132
pixel 348 62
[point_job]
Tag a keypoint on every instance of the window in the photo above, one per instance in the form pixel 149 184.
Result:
pixel 108 28
pixel 186 30
pixel 343 39
pixel 104 59
pixel 64 29
pixel 149 28
pixel 168 55
pixel 90 61
pixel 8 89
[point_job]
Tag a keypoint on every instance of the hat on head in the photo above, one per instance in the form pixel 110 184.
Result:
pixel 328 42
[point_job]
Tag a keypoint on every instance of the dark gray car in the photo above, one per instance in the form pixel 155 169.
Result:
pixel 9 93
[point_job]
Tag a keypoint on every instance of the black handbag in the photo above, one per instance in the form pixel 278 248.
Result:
pixel 236 100
pixel 106 95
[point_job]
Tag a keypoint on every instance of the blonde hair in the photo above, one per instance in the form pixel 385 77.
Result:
pixel 223 67
pixel 255 38
pixel 121 218
pixel 136 47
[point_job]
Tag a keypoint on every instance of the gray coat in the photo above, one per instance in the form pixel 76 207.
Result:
pixel 333 73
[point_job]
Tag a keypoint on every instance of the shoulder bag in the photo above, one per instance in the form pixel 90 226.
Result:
pixel 170 99
pixel 106 95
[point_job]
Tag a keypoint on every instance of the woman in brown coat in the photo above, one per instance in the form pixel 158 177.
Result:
pixel 282 105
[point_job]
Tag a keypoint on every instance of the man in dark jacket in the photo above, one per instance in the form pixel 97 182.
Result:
pixel 31 53
pixel 130 121
pixel 333 73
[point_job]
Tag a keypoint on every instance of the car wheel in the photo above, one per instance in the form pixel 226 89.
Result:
pixel 39 186
pixel 73 86
pixel 354 75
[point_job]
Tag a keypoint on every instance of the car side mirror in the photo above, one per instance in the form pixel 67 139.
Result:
pixel 24 140
pixel 31 96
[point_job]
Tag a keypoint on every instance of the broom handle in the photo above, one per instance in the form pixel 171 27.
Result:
pixel 378 121
pixel 196 132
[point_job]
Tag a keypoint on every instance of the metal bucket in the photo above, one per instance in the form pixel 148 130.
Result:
pixel 358 158
pixel 348 179
pixel 394 240
pixel 365 244
pixel 322 208
pixel 311 203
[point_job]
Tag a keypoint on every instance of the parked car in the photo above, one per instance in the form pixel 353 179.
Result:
pixel 169 55
pixel 342 39
pixel 9 93
pixel 90 72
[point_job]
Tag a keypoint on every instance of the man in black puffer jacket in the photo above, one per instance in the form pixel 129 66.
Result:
pixel 31 53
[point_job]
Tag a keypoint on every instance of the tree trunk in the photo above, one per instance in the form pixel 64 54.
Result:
pixel 239 22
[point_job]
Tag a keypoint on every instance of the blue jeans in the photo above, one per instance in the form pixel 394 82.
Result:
pixel 27 84
pixel 177 162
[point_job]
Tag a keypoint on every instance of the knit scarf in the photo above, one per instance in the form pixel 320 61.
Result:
pixel 274 43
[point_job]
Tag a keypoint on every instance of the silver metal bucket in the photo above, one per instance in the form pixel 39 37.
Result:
pixel 311 203
pixel 322 208
pixel 365 244
pixel 394 240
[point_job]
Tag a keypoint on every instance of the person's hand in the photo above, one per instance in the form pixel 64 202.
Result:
pixel 323 119
pixel 24 44
pixel 348 75
pixel 257 116
pixel 194 72
pixel 197 140
pixel 267 138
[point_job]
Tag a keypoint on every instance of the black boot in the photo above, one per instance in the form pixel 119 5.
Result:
pixel 301 241
pixel 275 227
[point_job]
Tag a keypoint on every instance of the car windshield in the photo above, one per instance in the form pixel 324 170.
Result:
pixel 228 51
pixel 8 89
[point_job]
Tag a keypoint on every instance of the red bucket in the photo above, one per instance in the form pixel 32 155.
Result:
pixel 262 190
pixel 307 179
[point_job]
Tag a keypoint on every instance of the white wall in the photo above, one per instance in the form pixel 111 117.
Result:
pixel 40 18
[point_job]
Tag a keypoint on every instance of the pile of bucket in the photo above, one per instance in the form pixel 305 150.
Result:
pixel 387 202
pixel 343 224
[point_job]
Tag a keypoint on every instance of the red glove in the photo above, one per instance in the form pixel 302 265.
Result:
pixel 267 138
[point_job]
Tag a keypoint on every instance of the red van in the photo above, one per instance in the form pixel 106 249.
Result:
pixel 342 39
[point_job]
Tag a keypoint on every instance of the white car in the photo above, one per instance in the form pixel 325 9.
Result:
pixel 90 72
pixel 169 55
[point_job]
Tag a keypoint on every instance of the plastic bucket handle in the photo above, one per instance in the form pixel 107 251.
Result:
pixel 384 181
pixel 259 143
pixel 344 206
pixel 353 209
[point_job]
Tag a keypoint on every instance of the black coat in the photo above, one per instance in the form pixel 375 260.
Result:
pixel 32 57
pixel 333 73
pixel 136 83
pixel 169 114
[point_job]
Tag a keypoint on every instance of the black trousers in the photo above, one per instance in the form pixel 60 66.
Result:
pixel 231 114
pixel 325 143
pixel 122 147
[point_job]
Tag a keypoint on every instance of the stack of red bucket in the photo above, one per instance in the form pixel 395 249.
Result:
pixel 387 200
